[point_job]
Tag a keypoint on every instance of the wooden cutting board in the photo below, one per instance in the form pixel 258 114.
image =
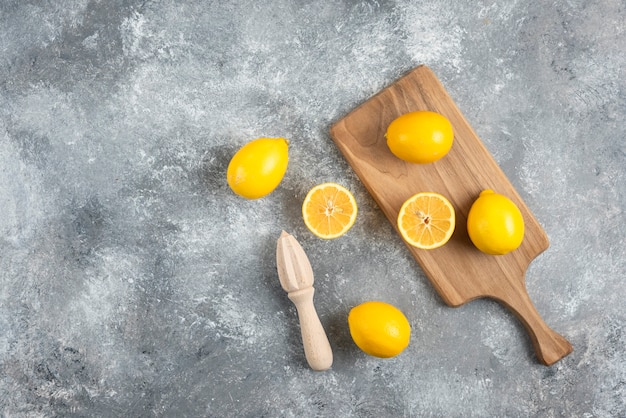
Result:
pixel 458 271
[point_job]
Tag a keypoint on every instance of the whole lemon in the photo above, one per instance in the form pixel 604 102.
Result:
pixel 258 167
pixel 420 137
pixel 379 329
pixel 495 224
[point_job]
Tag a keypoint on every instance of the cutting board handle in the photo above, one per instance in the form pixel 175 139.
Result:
pixel 549 346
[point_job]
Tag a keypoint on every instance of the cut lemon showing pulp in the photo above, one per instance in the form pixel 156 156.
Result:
pixel 426 220
pixel 329 210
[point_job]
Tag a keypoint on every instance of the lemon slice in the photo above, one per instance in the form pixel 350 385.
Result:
pixel 329 210
pixel 426 220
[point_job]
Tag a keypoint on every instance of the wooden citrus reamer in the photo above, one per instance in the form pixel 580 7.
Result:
pixel 296 278
pixel 458 271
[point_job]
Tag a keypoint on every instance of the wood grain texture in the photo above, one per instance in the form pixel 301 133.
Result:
pixel 458 271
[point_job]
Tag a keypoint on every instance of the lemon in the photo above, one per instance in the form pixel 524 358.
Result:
pixel 379 329
pixel 258 167
pixel 329 210
pixel 495 224
pixel 420 137
pixel 426 220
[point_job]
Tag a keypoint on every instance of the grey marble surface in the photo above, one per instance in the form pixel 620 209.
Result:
pixel 133 282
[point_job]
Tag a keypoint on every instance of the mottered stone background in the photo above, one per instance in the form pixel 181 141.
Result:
pixel 133 282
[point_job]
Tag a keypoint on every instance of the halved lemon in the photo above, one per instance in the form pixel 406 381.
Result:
pixel 329 210
pixel 426 220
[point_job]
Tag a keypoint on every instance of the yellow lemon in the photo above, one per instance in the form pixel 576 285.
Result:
pixel 329 210
pixel 426 220
pixel 495 224
pixel 379 329
pixel 258 167
pixel 420 137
